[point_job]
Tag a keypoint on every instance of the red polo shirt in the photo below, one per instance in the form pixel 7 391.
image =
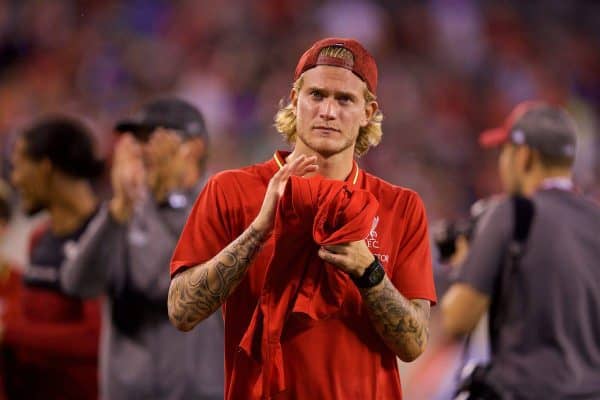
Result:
pixel 337 357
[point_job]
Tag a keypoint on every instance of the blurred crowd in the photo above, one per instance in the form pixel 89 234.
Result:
pixel 447 70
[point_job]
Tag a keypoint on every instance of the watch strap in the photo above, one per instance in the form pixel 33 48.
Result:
pixel 372 276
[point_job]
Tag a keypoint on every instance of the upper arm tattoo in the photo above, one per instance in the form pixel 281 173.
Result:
pixel 403 324
pixel 196 293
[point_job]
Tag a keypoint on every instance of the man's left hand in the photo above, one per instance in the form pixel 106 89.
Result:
pixel 353 257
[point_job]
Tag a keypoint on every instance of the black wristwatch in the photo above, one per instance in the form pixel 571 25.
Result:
pixel 372 276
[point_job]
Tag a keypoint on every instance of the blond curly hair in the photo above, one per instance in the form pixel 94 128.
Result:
pixel 368 136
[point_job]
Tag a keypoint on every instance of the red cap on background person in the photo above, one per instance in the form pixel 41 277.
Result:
pixel 541 126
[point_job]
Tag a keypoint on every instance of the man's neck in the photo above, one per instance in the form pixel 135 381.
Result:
pixel 71 205
pixel 535 180
pixel 337 166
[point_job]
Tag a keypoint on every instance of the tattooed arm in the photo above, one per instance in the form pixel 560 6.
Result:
pixel 197 292
pixel 402 324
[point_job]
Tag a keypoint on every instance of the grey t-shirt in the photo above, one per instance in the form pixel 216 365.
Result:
pixel 548 346
pixel 143 356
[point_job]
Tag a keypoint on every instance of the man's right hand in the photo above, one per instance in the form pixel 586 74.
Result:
pixel 128 177
pixel 300 166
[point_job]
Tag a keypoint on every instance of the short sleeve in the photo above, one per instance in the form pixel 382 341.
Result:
pixel 488 248
pixel 207 230
pixel 413 275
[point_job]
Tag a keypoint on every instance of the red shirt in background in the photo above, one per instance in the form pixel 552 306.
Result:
pixel 341 355
pixel 50 341
pixel 10 283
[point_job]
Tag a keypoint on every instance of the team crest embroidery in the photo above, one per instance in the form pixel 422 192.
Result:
pixel 373 233
pixel 373 241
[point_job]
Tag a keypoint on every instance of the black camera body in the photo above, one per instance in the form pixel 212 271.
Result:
pixel 446 232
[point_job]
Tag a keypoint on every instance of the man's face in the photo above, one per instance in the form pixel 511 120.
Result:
pixel 330 110
pixel 31 178
pixel 164 158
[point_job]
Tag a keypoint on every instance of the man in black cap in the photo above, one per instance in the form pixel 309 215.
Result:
pixel 157 167
pixel 163 149
pixel 534 264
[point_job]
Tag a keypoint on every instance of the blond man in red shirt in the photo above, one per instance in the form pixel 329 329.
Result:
pixel 321 316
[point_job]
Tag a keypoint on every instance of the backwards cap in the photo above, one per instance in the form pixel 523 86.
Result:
pixel 363 64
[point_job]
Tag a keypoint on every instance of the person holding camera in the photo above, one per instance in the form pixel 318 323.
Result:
pixel 533 265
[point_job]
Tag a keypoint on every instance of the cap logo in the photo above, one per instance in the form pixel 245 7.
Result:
pixel 569 150
pixel 193 127
pixel 140 116
pixel 518 136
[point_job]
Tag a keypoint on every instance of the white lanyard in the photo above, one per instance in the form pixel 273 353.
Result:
pixel 560 183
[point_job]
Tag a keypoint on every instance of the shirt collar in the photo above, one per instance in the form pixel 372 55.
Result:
pixel 351 179
pixel 560 183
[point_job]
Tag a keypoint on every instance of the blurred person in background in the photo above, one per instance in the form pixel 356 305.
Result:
pixel 50 338
pixel 7 272
pixel 156 174
pixel 533 265
pixel 307 315
pixel 9 276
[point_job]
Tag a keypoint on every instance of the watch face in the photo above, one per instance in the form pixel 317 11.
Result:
pixel 377 275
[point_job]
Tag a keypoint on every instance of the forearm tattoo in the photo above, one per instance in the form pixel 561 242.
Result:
pixel 196 293
pixel 402 324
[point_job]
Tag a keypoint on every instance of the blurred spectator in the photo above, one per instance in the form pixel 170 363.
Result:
pixel 532 263
pixel 50 339
pixel 449 68
pixel 156 175
pixel 9 277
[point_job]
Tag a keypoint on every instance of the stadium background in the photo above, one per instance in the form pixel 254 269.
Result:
pixel 447 68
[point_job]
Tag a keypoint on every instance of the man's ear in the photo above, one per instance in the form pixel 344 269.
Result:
pixel 519 157
pixel 46 168
pixel 294 99
pixel 370 110
pixel 193 150
pixel 531 157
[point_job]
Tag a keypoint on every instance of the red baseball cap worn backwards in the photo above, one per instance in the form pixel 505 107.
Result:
pixel 363 65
